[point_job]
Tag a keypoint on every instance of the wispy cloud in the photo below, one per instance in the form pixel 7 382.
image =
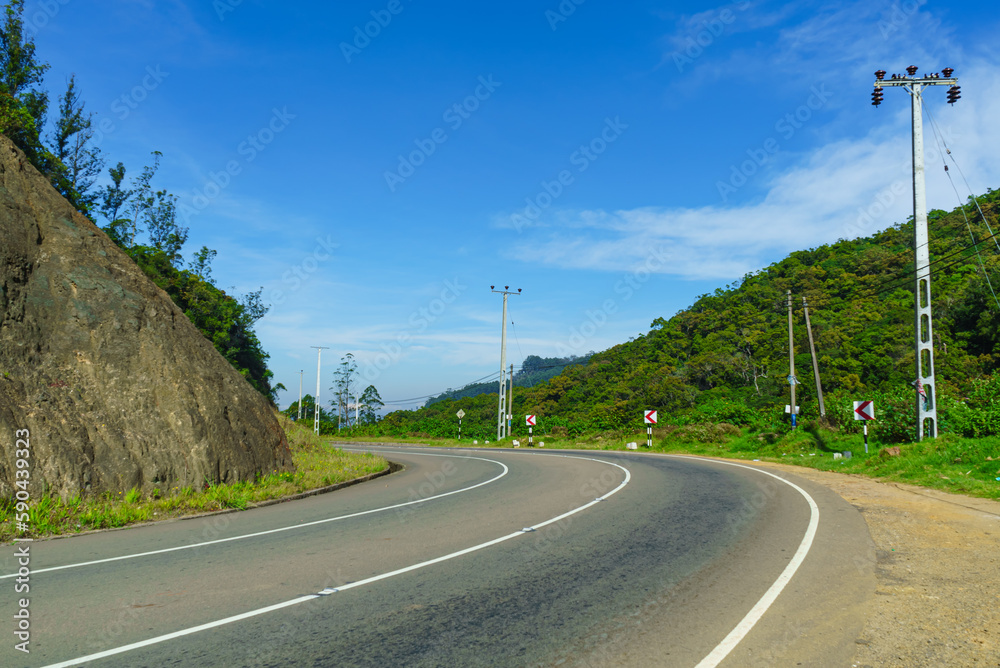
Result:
pixel 844 189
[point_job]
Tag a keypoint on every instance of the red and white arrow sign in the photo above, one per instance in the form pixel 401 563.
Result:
pixel 529 420
pixel 864 410
pixel 650 417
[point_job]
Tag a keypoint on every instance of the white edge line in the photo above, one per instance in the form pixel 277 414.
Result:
pixel 325 592
pixel 729 643
pixel 280 529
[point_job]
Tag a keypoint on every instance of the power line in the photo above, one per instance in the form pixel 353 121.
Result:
pixel 485 379
pixel 431 396
pixel 944 148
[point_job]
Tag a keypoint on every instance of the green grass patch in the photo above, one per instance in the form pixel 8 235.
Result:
pixel 317 465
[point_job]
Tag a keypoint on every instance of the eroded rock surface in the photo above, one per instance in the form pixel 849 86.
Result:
pixel 114 384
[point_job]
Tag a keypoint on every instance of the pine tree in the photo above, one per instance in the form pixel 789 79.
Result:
pixel 78 161
pixel 23 104
pixel 371 404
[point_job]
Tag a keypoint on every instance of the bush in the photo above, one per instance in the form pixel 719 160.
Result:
pixel 706 433
pixel 895 415
pixel 978 414
pixel 724 410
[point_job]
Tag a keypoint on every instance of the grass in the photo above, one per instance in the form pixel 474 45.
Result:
pixel 949 463
pixel 317 465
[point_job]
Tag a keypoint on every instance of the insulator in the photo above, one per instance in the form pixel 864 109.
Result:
pixel 880 75
pixel 911 70
pixel 947 72
pixel 877 96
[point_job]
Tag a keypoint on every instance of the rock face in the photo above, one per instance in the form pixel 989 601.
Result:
pixel 114 384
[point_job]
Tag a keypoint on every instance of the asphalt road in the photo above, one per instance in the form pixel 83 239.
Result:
pixel 469 558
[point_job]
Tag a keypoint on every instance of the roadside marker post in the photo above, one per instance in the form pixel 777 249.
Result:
pixel 529 420
pixel 649 417
pixel 864 410
pixel 460 414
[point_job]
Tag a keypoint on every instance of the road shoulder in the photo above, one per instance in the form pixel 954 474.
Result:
pixel 937 565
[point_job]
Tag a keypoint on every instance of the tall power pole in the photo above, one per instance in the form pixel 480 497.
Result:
pixel 300 395
pixel 502 410
pixel 510 399
pixel 791 359
pixel 316 409
pixel 923 333
pixel 812 351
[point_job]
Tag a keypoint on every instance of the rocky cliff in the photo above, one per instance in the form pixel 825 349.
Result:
pixel 114 384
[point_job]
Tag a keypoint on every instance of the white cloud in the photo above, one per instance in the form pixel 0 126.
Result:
pixel 844 189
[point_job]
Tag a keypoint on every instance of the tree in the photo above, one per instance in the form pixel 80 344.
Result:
pixel 78 162
pixel 308 409
pixel 112 203
pixel 140 201
pixel 343 386
pixel 161 220
pixel 138 208
pixel 23 104
pixel 201 264
pixel 371 404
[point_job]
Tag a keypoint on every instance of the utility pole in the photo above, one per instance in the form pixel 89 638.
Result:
pixel 510 400
pixel 502 410
pixel 791 359
pixel 812 351
pixel 316 409
pixel 300 395
pixel 923 337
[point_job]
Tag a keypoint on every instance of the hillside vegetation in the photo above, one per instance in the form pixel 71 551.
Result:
pixel 725 359
pixel 534 371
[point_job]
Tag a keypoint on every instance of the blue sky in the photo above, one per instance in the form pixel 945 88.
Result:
pixel 376 166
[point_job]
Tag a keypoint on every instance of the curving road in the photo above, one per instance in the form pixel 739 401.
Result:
pixel 466 558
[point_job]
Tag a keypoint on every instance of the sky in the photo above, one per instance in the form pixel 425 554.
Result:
pixel 376 166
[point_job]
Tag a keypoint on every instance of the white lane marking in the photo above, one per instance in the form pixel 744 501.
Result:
pixel 280 529
pixel 352 585
pixel 729 643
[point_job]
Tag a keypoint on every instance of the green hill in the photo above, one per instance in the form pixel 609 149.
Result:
pixel 725 359
pixel 534 371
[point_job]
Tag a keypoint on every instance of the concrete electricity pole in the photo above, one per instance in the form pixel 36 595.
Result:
pixel 501 416
pixel 319 353
pixel 812 351
pixel 925 384
pixel 300 395
pixel 510 400
pixel 791 359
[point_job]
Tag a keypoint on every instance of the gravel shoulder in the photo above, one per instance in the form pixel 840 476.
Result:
pixel 937 568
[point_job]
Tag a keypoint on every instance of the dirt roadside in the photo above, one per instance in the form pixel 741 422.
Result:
pixel 937 600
